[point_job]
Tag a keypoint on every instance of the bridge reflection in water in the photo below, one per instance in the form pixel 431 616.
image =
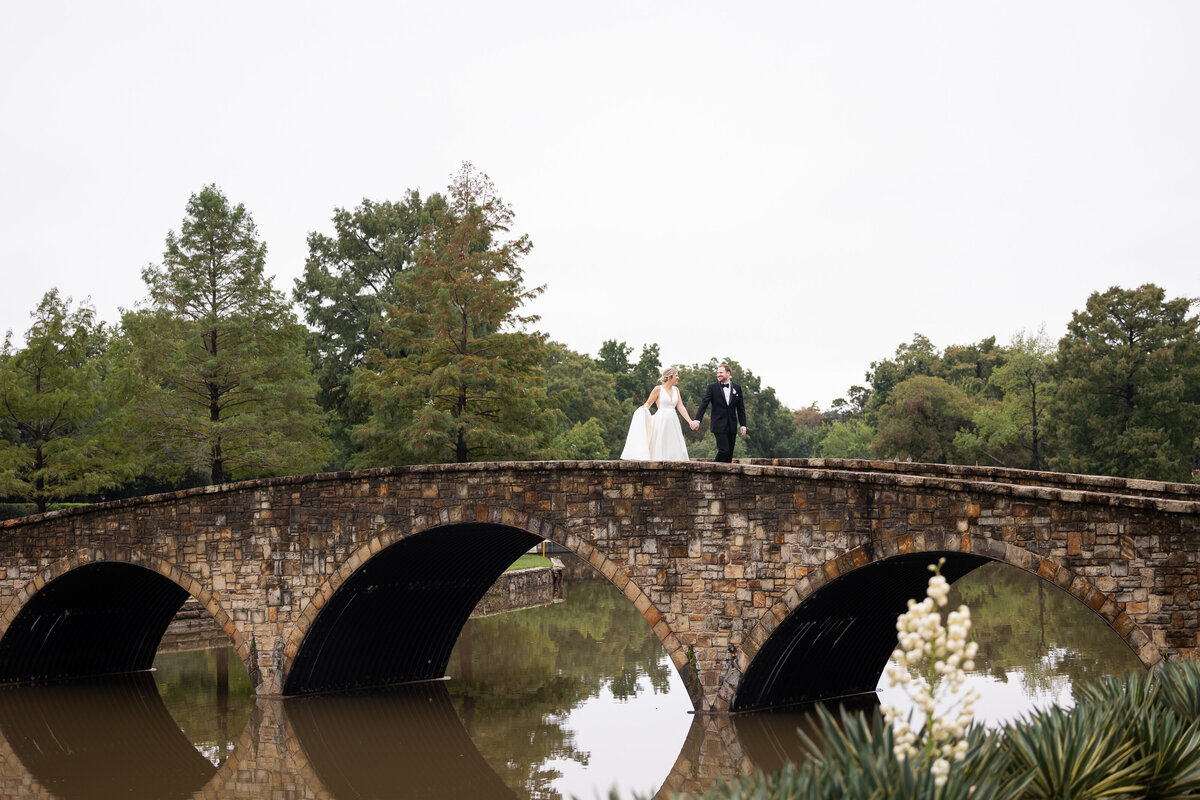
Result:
pixel 114 738
pixel 496 730
pixel 101 737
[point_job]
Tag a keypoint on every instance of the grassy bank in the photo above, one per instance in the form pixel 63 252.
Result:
pixel 528 561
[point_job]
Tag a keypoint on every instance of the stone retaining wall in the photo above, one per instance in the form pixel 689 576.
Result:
pixel 523 588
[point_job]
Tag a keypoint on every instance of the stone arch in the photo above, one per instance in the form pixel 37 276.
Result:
pixel 97 555
pixel 507 517
pixel 970 549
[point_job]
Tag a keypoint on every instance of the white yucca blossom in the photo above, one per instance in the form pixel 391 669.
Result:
pixel 929 663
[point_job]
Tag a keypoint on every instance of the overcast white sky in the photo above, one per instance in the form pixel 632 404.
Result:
pixel 798 185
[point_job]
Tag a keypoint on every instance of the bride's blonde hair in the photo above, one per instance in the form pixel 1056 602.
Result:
pixel 667 373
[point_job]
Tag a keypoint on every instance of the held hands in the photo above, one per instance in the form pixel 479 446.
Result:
pixel 694 425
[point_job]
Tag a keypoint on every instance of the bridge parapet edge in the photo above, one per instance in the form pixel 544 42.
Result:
pixel 1176 497
pixel 1106 484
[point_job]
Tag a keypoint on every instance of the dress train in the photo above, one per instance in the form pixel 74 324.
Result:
pixel 658 436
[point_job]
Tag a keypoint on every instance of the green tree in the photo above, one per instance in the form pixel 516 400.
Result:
pixel 1128 400
pixel 350 280
pixel 966 366
pixel 54 409
pixel 920 420
pixel 970 366
pixel 851 407
pixel 583 442
pixel 215 359
pixel 1011 431
pixel 848 439
pixel 634 381
pixel 456 378
pixel 811 429
pixel 918 357
pixel 582 391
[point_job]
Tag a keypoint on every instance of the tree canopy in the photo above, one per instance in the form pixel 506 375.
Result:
pixel 215 358
pixel 456 377
pixel 1128 400
pixel 419 349
pixel 350 280
pixel 1011 431
pixel 920 419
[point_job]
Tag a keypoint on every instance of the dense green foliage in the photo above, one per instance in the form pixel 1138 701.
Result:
pixel 1118 395
pixel 920 420
pixel 53 406
pixel 1011 430
pixel 1134 737
pixel 417 350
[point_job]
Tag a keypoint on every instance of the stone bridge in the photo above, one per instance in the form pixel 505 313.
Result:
pixel 767 582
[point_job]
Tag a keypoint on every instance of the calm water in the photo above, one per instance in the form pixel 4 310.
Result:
pixel 566 700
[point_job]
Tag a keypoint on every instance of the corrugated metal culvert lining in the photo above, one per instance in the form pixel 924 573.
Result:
pixel 397 618
pixel 837 642
pixel 98 619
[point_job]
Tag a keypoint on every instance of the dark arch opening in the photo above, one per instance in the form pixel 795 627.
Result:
pixel 110 737
pixel 838 640
pixel 396 619
pixel 97 619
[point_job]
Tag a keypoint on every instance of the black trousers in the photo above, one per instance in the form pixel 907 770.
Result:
pixel 725 442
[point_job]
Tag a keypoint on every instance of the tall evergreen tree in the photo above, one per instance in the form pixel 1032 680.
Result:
pixel 54 409
pixel 456 377
pixel 216 359
pixel 1128 400
pixel 350 280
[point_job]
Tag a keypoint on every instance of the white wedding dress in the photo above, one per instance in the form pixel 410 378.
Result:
pixel 658 436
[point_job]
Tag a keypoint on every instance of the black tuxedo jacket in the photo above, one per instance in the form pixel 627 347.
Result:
pixel 724 416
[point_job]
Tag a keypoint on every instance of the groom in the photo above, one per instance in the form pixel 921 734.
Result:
pixel 726 399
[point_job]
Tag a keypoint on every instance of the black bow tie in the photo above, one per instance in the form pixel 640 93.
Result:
pixel 724 385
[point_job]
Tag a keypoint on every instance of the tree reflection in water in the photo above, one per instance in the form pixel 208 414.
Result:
pixel 516 676
pixel 1032 629
pixel 209 695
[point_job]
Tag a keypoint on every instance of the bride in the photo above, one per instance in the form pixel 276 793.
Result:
pixel 658 437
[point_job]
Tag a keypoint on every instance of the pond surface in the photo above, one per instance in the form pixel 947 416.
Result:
pixel 566 700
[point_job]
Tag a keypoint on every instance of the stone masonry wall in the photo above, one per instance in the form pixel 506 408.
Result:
pixel 712 555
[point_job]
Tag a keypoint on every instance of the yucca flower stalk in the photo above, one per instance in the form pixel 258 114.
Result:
pixel 930 663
